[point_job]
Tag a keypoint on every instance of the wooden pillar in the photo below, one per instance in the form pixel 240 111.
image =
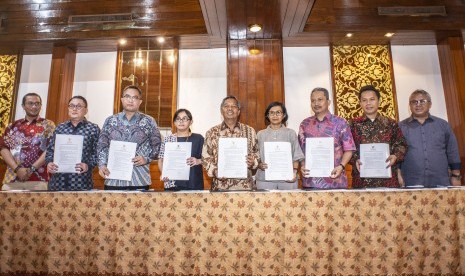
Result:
pixel 452 62
pixel 255 79
pixel 60 88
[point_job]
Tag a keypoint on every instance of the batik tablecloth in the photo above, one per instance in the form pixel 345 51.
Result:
pixel 263 233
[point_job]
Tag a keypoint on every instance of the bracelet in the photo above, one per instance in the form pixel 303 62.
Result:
pixel 17 168
pixel 343 167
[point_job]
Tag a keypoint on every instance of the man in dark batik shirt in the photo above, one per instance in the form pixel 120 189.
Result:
pixel 372 127
pixel 77 125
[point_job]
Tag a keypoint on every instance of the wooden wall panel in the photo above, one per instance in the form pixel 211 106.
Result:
pixel 156 76
pixel 61 82
pixel 256 80
pixel 452 62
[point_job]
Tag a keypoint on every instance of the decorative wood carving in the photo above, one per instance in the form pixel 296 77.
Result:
pixel 356 66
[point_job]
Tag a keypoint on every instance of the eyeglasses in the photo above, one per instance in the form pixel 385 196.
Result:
pixel 183 119
pixel 34 104
pixel 275 113
pixel 77 106
pixel 131 98
pixel 419 102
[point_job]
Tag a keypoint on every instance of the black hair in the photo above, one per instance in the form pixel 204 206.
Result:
pixel 133 87
pixel 188 113
pixel 32 94
pixel 80 98
pixel 273 104
pixel 369 88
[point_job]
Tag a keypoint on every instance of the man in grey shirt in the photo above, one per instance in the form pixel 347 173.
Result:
pixel 433 156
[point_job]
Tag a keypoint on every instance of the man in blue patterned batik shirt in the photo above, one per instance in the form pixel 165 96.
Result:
pixel 130 125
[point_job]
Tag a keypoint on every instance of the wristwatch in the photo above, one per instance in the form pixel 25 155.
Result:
pixel 32 168
pixel 458 176
pixel 17 168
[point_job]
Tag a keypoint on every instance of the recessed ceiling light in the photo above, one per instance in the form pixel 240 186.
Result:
pixel 349 34
pixel 160 39
pixel 255 28
pixel 389 34
pixel 122 41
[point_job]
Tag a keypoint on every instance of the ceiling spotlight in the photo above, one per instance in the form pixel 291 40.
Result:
pixel 389 34
pixel 255 28
pixel 122 41
pixel 349 34
pixel 160 39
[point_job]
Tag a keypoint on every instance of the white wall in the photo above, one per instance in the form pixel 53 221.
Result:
pixel 417 67
pixel 35 76
pixel 304 69
pixel 202 85
pixel 203 81
pixel 94 79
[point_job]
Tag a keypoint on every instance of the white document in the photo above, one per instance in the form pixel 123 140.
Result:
pixel 373 158
pixel 319 156
pixel 120 158
pixel 278 156
pixel 68 152
pixel 175 160
pixel 232 156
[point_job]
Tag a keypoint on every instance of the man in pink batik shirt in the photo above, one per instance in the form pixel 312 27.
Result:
pixel 325 124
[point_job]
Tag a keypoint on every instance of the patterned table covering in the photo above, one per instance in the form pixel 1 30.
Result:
pixel 395 232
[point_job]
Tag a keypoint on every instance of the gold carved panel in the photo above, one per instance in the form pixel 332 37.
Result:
pixel 8 66
pixel 357 66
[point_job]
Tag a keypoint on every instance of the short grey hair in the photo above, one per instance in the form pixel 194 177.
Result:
pixel 230 97
pixel 321 89
pixel 421 92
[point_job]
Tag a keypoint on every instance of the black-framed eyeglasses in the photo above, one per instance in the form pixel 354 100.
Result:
pixel 183 119
pixel 75 106
pixel 419 102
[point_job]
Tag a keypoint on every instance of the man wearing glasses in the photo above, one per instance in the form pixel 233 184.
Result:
pixel 130 125
pixel 325 124
pixel 433 157
pixel 230 127
pixel 23 146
